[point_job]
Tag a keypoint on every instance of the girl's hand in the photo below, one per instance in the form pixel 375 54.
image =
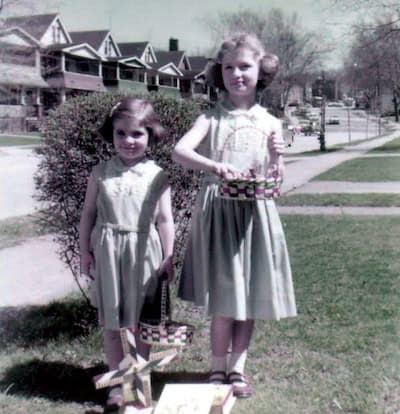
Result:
pixel 276 144
pixel 168 268
pixel 226 171
pixel 87 264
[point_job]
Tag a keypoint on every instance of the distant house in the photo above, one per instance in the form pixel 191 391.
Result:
pixel 67 67
pixel 70 70
pixel 164 75
pixel 193 82
pixel 20 80
pixel 125 74
pixel 42 65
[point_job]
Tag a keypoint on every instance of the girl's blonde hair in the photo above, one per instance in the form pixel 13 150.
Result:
pixel 135 108
pixel 269 63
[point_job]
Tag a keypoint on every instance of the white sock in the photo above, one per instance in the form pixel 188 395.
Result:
pixel 218 363
pixel 237 362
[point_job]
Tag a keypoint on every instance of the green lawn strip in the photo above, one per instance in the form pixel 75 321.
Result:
pixel 392 146
pixel 371 169
pixel 11 140
pixel 15 229
pixel 341 354
pixel 340 199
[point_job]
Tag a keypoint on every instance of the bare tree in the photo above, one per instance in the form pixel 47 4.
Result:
pixel 375 56
pixel 15 7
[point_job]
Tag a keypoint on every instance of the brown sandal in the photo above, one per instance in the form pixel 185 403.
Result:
pixel 240 384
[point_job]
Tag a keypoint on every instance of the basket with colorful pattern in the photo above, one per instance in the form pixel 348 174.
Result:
pixel 165 331
pixel 251 187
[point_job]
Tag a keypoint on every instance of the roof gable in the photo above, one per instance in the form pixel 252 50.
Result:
pixel 82 50
pixel 17 36
pixel 132 48
pixel 134 61
pixel 93 37
pixel 143 50
pixel 168 68
pixel 198 63
pixel 42 27
pixel 177 57
pixel 101 40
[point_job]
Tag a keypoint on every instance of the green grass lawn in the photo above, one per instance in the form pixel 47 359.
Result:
pixel 392 146
pixel 15 229
pixel 11 140
pixel 340 355
pixel 374 169
pixel 337 199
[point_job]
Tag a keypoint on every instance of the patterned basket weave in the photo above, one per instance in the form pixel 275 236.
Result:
pixel 170 333
pixel 251 188
pixel 165 331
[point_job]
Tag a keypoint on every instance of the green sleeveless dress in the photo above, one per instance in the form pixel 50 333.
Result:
pixel 236 261
pixel 124 241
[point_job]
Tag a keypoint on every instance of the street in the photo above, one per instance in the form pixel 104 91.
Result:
pixel 17 167
pixel 354 125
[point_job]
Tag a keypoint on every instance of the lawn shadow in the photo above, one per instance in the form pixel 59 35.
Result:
pixel 36 325
pixel 53 380
pixel 59 381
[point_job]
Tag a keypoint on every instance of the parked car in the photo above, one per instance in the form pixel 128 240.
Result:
pixel 307 127
pixel 333 120
pixel 336 104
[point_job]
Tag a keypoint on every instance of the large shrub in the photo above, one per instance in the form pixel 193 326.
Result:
pixel 72 147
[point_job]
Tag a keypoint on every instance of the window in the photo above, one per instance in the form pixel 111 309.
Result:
pixel 147 55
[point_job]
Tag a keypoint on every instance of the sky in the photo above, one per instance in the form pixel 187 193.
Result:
pixel 158 20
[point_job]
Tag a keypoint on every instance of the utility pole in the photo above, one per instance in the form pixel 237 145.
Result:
pixel 348 123
pixel 321 137
pixel 321 93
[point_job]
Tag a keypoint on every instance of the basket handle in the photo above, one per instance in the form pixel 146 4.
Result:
pixel 164 296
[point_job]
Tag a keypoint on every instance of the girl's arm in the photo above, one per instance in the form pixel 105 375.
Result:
pixel 276 147
pixel 88 219
pixel 184 152
pixel 166 230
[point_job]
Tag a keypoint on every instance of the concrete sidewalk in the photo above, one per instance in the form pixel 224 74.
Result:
pixel 32 273
pixel 303 169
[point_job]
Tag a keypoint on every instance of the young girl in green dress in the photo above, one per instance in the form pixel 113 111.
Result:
pixel 126 230
pixel 236 262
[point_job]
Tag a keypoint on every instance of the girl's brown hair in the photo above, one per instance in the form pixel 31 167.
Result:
pixel 269 63
pixel 138 109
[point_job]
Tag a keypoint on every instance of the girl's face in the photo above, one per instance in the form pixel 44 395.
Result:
pixel 240 69
pixel 130 139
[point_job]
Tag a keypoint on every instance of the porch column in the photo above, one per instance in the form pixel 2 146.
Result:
pixel 100 69
pixel 63 95
pixel 22 99
pixel 38 103
pixel 62 62
pixel 38 97
pixel 178 83
pixel 118 71
pixel 145 77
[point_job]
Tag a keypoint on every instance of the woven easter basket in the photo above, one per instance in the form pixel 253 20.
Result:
pixel 252 188
pixel 163 330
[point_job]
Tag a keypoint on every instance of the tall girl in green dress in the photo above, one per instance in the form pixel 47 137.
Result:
pixel 126 230
pixel 236 262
